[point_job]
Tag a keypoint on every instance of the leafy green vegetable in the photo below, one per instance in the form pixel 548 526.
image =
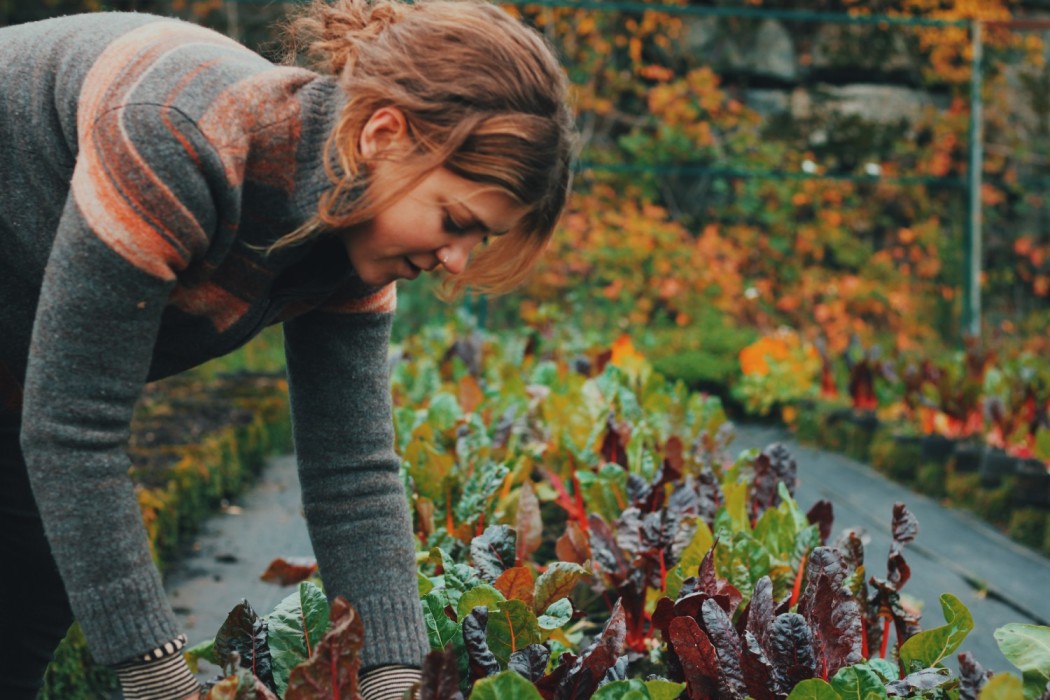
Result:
pixel 506 685
pixel 927 648
pixel 1028 648
pixel 294 629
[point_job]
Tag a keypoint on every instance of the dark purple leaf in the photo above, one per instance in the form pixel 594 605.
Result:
pixel 440 679
pixel 905 525
pixel 639 493
pixel 727 595
pixel 972 676
pixel 757 668
pixel 831 610
pixel 530 662
pixel 469 350
pixel 697 657
pixel 493 551
pixel 244 633
pixel 332 669
pixel 482 661
pixel 588 670
pixel 791 652
pixel 774 466
pixel 607 554
pixel 728 647
pixel 614 444
pixel 822 514
pixel 761 612
pixel 662 615
pixel 548 685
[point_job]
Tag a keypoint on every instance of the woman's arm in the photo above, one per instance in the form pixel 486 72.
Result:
pixel 139 211
pixel 355 504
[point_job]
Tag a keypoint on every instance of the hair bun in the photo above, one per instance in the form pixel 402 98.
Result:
pixel 331 34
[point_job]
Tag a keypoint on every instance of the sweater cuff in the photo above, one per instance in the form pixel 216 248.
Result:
pixel 394 632
pixel 159 675
pixel 124 617
pixel 388 682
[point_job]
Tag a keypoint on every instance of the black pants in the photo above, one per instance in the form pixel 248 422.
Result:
pixel 36 612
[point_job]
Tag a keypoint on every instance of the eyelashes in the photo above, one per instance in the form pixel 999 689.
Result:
pixel 453 226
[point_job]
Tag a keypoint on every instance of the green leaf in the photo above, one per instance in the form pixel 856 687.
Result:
pixel 858 682
pixel 736 505
pixel 440 629
pixel 556 582
pixel 1028 648
pixel 557 615
pixel 664 690
pixel 512 627
pixel 885 668
pixel 1002 686
pixel 604 492
pixel 927 648
pixel 478 492
pixel 424 584
pixel 205 650
pixel 506 685
pixel 444 411
pixel 484 594
pixel 632 689
pixel 813 689
pixel 295 628
pixel 699 545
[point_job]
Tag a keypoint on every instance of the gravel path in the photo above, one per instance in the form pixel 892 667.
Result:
pixel 997 579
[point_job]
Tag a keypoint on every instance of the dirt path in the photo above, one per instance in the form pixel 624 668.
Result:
pixel 997 579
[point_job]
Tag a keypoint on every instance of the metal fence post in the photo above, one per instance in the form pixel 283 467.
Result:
pixel 973 256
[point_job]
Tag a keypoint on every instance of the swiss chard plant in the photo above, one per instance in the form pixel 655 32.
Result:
pixel 583 533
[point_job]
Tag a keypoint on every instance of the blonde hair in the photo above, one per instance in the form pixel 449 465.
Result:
pixel 483 96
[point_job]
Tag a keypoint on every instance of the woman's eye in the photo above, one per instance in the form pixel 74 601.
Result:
pixel 452 226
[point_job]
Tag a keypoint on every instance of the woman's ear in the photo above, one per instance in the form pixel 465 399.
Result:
pixel 385 133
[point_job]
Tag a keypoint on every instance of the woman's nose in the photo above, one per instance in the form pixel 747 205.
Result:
pixel 456 256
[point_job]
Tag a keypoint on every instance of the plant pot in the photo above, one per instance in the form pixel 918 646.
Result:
pixel 996 465
pixel 966 458
pixel 1032 484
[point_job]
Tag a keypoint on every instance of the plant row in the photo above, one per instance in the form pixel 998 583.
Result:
pixel 584 533
pixel 968 426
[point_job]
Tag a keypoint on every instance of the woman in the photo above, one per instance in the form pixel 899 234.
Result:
pixel 167 194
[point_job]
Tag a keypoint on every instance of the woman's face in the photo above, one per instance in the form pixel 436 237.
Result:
pixel 436 223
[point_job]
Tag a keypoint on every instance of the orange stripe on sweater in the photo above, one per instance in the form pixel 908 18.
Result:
pixel 382 301
pixel 220 306
pixel 258 115
pixel 120 196
pixel 131 209
pixel 123 64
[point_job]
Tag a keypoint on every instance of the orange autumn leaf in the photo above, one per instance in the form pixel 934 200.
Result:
pixel 470 394
pixel 624 353
pixel 516 583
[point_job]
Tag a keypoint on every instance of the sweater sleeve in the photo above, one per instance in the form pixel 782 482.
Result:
pixel 355 504
pixel 140 209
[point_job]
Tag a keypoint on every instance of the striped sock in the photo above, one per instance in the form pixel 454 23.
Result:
pixel 388 682
pixel 160 674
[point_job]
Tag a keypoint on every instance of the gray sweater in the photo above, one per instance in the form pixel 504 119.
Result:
pixel 144 162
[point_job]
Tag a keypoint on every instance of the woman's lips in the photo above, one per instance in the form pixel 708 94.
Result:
pixel 413 269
